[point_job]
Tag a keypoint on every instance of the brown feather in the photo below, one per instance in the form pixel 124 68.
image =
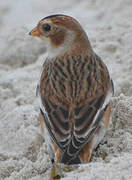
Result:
pixel 73 88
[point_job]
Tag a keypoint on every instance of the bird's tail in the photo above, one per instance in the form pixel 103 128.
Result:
pixel 70 157
pixel 67 159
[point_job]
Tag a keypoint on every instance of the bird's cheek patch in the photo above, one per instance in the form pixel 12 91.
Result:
pixel 57 39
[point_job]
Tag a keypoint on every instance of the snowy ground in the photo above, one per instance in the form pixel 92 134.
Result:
pixel 23 155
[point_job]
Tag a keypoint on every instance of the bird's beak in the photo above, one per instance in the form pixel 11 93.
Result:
pixel 35 32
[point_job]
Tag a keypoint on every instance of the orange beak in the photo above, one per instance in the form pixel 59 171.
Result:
pixel 35 32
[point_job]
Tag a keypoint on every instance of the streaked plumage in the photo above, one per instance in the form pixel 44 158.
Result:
pixel 74 90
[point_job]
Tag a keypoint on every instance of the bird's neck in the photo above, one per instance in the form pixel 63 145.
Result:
pixel 73 46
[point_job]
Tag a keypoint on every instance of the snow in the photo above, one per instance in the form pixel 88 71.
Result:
pixel 23 153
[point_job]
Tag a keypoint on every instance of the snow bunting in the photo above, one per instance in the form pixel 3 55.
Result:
pixel 75 90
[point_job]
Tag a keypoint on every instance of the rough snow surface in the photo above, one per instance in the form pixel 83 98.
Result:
pixel 23 154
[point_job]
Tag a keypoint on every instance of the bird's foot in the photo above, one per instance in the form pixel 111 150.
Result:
pixel 58 170
pixel 69 168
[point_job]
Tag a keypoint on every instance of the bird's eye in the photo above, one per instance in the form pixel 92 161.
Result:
pixel 46 27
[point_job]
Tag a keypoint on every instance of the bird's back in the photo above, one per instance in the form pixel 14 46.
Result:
pixel 75 78
pixel 73 89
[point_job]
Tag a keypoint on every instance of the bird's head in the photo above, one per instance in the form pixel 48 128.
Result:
pixel 61 34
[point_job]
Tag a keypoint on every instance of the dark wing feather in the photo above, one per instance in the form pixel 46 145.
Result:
pixel 87 120
pixel 56 120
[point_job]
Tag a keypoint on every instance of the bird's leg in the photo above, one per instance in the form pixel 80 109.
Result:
pixel 55 172
pixel 58 170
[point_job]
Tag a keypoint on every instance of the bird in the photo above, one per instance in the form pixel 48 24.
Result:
pixel 74 91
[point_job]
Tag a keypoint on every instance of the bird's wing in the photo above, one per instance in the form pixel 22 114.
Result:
pixel 56 121
pixel 87 120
